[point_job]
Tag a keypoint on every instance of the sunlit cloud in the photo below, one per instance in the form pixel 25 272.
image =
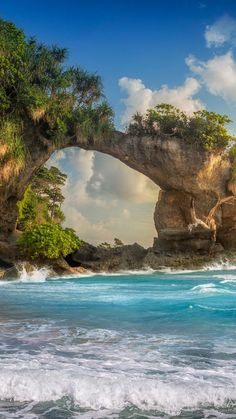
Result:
pixel 217 74
pixel 139 98
pixel 105 198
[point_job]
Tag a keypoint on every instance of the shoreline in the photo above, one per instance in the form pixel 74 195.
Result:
pixel 25 270
pixel 92 260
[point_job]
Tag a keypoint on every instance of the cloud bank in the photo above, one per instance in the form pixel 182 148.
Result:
pixel 217 74
pixel 105 198
pixel 140 98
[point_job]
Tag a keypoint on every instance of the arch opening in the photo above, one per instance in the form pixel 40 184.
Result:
pixel 105 199
pixel 182 172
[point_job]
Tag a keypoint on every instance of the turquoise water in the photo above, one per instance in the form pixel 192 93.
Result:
pixel 161 345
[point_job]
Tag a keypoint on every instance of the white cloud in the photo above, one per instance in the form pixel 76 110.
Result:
pixel 128 230
pixel 87 230
pixel 140 98
pixel 221 32
pixel 112 180
pixel 218 74
pixel 105 198
pixel 81 164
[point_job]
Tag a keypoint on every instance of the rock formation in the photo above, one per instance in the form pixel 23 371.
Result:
pixel 183 172
pixel 135 258
pixel 121 258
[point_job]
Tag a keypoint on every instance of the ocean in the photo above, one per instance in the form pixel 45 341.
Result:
pixel 132 345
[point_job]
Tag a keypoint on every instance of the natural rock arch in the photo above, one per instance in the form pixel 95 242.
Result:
pixel 40 94
pixel 181 171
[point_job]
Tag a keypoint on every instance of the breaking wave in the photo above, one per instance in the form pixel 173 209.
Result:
pixel 103 345
pixel 112 392
pixel 36 275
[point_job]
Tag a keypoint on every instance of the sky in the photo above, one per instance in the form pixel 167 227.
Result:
pixel 147 52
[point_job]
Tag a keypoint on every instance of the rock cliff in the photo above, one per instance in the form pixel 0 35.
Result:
pixel 183 172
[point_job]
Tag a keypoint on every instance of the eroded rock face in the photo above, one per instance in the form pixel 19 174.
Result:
pixel 181 171
pixel 227 229
pixel 172 219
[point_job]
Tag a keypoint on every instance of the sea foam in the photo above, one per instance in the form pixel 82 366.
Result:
pixel 36 275
pixel 112 392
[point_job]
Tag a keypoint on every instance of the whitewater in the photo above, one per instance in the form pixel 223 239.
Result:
pixel 131 345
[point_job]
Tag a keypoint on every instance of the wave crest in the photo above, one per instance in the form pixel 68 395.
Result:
pixel 96 393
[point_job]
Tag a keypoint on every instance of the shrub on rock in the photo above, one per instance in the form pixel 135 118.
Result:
pixel 49 240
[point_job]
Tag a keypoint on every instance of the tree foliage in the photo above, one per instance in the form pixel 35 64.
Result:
pixel 48 240
pixel 48 184
pixel 105 245
pixel 12 146
pixel 232 157
pixel 42 199
pixel 40 216
pixel 37 86
pixel 203 128
pixel 117 243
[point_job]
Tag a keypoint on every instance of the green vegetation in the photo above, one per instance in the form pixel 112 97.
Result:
pixel 105 245
pixel 36 87
pixel 232 157
pixel 49 240
pixel 42 99
pixel 12 149
pixel 203 128
pixel 39 91
pixel 40 216
pixel 42 199
pixel 11 138
pixel 117 243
